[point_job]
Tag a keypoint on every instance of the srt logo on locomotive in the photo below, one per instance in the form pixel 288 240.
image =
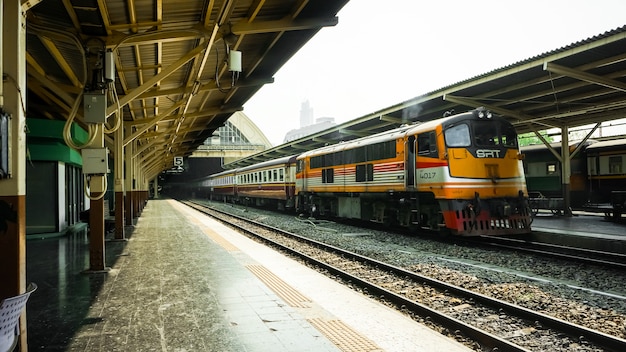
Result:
pixel 487 153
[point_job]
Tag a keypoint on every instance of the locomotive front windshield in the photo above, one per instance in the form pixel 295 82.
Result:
pixel 485 133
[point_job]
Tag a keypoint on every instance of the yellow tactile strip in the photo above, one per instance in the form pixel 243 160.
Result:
pixel 220 240
pixel 344 336
pixel 291 296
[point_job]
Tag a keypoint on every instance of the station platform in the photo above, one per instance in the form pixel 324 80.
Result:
pixel 583 229
pixel 184 282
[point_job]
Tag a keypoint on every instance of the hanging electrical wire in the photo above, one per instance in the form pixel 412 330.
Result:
pixel 234 74
pixel 67 128
pixel 86 190
pixel 118 112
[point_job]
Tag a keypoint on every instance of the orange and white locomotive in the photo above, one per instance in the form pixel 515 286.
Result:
pixel 461 174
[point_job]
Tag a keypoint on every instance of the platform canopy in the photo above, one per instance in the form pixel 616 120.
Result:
pixel 579 84
pixel 175 80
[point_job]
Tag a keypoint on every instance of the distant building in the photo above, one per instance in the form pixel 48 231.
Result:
pixel 323 123
pixel 306 114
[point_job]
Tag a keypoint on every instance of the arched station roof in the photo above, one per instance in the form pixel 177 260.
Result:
pixel 172 82
pixel 579 84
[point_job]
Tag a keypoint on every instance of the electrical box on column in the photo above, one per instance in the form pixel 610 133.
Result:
pixel 95 161
pixel 95 107
pixel 95 167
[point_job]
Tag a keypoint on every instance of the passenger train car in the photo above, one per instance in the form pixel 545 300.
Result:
pixel 270 183
pixel 597 181
pixel 461 175
pixel 543 174
pixel 606 165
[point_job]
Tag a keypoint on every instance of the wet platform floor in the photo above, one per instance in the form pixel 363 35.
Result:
pixel 186 283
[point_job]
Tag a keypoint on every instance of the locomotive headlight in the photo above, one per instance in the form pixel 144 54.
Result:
pixel 485 114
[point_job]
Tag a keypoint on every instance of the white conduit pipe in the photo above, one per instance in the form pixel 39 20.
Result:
pixel 2 55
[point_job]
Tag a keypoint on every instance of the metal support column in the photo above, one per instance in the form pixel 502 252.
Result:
pixel 128 180
pixel 119 183
pixel 566 171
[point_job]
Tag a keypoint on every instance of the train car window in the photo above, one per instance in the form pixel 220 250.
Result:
pixel 372 152
pixel 380 151
pixel 300 166
pixel 365 172
pixel 328 175
pixel 391 149
pixel 360 173
pixel 281 175
pixel 615 164
pixel 349 156
pixel 427 144
pixel 264 176
pixel 317 162
pixel 274 175
pixel 328 160
pixel 359 155
pixel 551 168
pixel 457 136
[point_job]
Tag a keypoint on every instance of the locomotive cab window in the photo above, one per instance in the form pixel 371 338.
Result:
pixel 427 144
pixel 458 136
pixel 493 133
pixel 299 166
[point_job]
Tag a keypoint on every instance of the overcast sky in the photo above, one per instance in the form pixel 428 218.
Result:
pixel 385 52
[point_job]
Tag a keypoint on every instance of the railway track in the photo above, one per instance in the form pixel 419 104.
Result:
pixel 414 295
pixel 588 256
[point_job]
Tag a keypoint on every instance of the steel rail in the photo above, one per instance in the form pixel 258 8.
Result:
pixel 589 256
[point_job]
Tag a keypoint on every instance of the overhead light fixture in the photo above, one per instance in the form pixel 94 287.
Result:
pixel 234 61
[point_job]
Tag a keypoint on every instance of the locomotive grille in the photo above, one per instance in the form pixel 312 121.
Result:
pixel 498 225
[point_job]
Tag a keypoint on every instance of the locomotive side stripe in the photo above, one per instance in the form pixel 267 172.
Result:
pixel 429 164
